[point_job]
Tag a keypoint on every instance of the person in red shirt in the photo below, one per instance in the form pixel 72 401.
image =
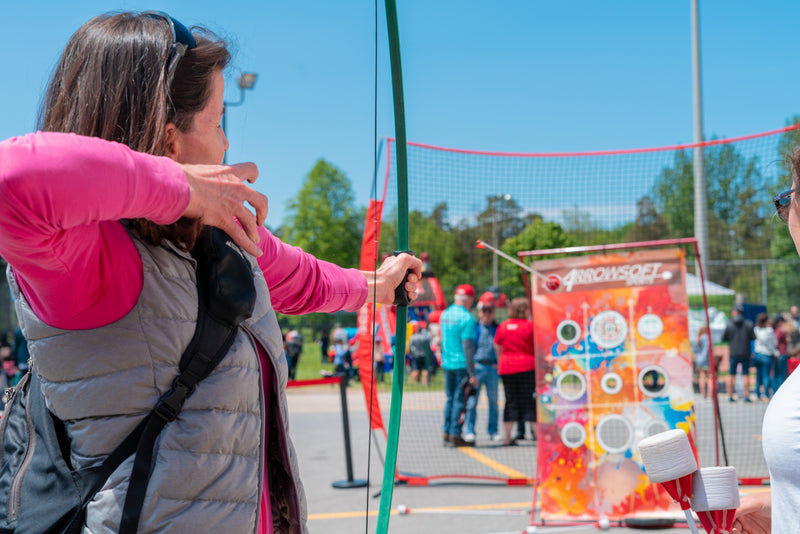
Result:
pixel 513 345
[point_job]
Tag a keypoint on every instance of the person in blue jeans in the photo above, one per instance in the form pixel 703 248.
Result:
pixel 764 355
pixel 486 373
pixel 458 351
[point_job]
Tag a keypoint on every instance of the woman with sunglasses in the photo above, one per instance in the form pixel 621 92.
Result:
pixel 778 510
pixel 99 210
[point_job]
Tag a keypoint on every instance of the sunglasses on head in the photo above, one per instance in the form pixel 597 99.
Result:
pixel 783 202
pixel 182 40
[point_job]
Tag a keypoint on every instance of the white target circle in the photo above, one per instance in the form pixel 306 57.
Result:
pixel 654 427
pixel 571 385
pixel 608 329
pixel 573 435
pixel 611 383
pixel 650 326
pixel 614 433
pixel 653 381
pixel 568 332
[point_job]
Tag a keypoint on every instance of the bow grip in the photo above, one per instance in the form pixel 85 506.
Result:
pixel 400 293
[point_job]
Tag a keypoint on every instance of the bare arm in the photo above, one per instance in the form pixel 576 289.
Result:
pixel 754 515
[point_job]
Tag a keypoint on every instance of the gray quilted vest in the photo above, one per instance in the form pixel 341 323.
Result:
pixel 209 462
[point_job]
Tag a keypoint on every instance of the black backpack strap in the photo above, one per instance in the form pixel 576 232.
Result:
pixel 226 296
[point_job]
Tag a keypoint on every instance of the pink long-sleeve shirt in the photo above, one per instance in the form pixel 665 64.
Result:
pixel 61 199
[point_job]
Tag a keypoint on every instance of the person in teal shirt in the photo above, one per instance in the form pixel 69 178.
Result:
pixel 458 351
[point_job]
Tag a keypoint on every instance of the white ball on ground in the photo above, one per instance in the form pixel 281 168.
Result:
pixel 531 529
pixel 402 509
pixel 604 523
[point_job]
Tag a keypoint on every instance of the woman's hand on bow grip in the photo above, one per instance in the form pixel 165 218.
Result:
pixel 395 270
pixel 218 197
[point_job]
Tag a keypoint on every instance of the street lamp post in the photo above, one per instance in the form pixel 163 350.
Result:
pixel 246 80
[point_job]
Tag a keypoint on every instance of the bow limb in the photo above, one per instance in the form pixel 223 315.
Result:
pixel 390 464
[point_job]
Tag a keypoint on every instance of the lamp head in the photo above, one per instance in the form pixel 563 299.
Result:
pixel 247 80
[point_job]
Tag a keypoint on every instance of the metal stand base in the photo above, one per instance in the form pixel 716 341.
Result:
pixel 344 484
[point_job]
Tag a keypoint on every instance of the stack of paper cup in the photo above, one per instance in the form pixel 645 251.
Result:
pixel 715 498
pixel 669 460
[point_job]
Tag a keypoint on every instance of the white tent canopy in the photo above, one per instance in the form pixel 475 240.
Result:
pixel 693 287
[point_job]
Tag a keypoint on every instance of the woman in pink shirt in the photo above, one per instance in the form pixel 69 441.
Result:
pixel 127 163
pixel 513 344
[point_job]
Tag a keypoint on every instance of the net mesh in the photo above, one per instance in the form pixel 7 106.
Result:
pixel 525 202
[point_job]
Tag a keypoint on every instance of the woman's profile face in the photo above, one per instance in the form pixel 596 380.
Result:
pixel 205 142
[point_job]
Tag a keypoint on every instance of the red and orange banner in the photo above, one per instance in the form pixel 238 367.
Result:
pixel 365 336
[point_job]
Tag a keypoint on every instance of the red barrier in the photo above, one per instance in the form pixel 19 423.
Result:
pixel 315 382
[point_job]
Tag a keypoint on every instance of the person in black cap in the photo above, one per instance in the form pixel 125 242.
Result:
pixel 739 334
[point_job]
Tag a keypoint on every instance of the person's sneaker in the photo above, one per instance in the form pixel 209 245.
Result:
pixel 469 437
pixel 731 399
pixel 448 439
pixel 496 437
pixel 458 441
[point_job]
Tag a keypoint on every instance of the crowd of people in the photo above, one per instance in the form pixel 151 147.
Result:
pixel 477 355
pixel 474 357
pixel 770 347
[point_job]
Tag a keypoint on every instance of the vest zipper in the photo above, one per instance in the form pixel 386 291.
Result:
pixel 16 485
pixel 263 456
pixel 8 397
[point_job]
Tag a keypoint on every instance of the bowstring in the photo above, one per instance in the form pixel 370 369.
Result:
pixel 374 266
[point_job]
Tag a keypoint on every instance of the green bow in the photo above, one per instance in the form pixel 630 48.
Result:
pixel 390 464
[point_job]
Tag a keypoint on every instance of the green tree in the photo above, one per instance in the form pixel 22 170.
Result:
pixel 501 219
pixel 738 222
pixel 538 235
pixel 432 234
pixel 737 192
pixel 673 196
pixel 649 225
pixel 323 220
pixel 584 230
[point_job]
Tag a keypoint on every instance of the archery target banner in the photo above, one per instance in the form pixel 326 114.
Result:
pixel 613 366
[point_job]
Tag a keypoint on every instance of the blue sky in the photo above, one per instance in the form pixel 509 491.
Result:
pixel 513 76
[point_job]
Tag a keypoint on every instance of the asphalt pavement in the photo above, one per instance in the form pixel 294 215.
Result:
pixel 352 507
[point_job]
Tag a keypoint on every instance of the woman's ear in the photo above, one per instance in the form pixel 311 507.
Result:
pixel 171 141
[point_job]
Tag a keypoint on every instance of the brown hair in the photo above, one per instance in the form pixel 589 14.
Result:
pixel 702 332
pixel 794 161
pixel 518 309
pixel 762 320
pixel 111 83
